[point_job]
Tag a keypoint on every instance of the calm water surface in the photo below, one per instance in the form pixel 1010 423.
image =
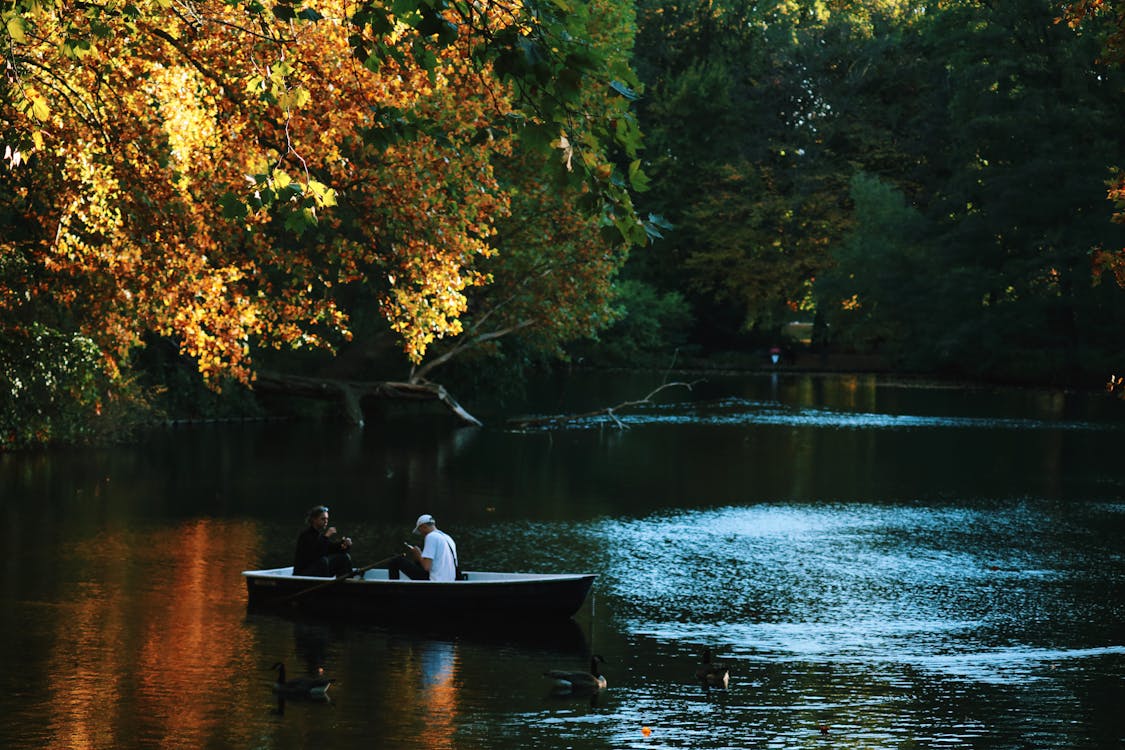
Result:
pixel 882 565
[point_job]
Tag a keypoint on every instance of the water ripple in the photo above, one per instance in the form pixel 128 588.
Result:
pixel 970 593
pixel 736 411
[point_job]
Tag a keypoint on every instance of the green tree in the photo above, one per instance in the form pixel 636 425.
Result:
pixel 1032 115
pixel 756 115
pixel 1010 114
pixel 873 295
pixel 652 326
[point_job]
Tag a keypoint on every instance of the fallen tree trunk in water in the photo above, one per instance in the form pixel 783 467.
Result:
pixel 350 392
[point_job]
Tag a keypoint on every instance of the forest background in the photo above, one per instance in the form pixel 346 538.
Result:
pixel 207 202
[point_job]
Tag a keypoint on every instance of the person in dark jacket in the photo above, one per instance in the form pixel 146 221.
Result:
pixel 319 552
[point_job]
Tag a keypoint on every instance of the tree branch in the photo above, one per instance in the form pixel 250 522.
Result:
pixel 418 374
pixel 610 411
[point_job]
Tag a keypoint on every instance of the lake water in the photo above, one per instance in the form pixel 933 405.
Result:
pixel 882 564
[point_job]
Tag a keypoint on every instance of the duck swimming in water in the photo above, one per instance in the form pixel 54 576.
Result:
pixel 300 687
pixel 579 682
pixel 712 674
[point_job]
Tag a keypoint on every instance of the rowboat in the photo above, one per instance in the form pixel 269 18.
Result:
pixel 479 595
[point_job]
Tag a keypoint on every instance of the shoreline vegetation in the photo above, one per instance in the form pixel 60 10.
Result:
pixel 333 404
pixel 175 397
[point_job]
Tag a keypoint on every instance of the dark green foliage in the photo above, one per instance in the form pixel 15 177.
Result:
pixel 652 327
pixel 946 164
pixel 738 167
pixel 870 293
pixel 1016 197
pixel 52 388
pixel 177 391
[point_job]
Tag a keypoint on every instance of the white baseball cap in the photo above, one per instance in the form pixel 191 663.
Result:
pixel 423 519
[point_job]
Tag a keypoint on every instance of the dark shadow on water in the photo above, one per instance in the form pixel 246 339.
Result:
pixel 312 641
pixel 313 634
pixel 598 699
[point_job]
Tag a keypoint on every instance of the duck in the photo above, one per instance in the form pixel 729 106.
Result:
pixel 579 682
pixel 300 687
pixel 710 673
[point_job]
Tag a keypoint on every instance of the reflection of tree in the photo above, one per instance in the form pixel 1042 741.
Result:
pixel 106 689
pixel 413 465
pixel 83 672
pixel 437 662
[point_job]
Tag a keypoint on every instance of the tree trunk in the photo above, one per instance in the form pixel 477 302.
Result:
pixel 350 392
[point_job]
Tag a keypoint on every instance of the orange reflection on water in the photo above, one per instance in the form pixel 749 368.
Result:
pixel 151 647
pixel 425 696
pixel 439 691
pixel 84 674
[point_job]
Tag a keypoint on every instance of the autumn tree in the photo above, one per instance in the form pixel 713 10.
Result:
pixel 551 279
pixel 349 150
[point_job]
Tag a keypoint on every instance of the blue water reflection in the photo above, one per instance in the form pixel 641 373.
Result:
pixel 876 606
pixel 735 412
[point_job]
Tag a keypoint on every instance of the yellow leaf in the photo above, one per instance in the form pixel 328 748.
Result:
pixel 294 99
pixel 39 108
pixel 16 29
pixel 322 194
pixel 300 97
pixel 253 84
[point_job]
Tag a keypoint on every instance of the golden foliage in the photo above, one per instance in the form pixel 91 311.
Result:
pixel 139 137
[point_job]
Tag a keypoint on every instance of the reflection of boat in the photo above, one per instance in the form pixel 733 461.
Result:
pixel 561 636
pixel 480 596
pixel 315 633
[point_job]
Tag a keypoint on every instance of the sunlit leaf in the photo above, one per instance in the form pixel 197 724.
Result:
pixel 16 27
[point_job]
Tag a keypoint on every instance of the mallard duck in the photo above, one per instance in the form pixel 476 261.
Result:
pixel 710 673
pixel 579 682
pixel 301 687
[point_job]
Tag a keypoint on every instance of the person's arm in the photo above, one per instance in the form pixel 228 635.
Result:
pixel 425 562
pixel 426 558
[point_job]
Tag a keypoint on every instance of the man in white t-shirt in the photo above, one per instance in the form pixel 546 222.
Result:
pixel 436 560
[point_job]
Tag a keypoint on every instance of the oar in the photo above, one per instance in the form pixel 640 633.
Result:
pixel 337 579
